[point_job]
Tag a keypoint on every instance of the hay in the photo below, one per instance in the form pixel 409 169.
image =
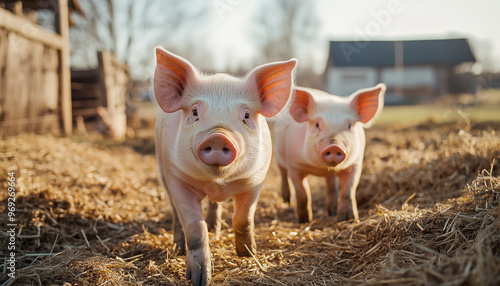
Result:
pixel 92 212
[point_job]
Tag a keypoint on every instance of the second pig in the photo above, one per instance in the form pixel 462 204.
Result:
pixel 324 136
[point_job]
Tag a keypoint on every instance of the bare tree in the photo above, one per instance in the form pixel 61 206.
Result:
pixel 130 29
pixel 283 26
pixel 483 51
pixel 286 29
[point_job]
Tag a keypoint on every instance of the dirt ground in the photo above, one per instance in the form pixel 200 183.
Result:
pixel 92 212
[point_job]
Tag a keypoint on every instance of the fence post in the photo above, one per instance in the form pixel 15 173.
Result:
pixel 62 28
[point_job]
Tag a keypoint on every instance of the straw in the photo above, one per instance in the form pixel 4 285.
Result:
pixel 92 212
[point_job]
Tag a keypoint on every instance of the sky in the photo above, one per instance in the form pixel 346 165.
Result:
pixel 230 38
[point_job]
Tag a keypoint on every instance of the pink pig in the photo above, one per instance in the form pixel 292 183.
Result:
pixel 212 140
pixel 325 138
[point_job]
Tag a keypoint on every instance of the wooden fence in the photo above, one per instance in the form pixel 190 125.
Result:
pixel 35 92
pixel 105 86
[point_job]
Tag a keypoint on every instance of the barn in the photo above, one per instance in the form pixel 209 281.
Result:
pixel 39 92
pixel 414 71
pixel 35 83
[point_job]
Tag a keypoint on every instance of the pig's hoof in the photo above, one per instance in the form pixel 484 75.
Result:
pixel 304 217
pixel 199 270
pixel 246 251
pixel 305 220
pixel 198 276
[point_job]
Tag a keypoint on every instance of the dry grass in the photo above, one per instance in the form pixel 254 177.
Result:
pixel 92 212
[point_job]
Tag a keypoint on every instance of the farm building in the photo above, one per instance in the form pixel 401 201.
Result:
pixel 35 91
pixel 38 91
pixel 99 96
pixel 413 71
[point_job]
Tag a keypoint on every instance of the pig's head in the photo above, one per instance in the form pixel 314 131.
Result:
pixel 221 130
pixel 335 137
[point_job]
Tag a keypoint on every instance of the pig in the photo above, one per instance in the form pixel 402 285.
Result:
pixel 323 135
pixel 212 140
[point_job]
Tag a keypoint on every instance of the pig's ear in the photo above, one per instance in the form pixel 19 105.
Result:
pixel 368 103
pixel 274 82
pixel 301 105
pixel 171 77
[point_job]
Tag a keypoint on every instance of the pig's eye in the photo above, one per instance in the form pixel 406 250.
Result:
pixel 195 112
pixel 349 126
pixel 246 119
pixel 317 125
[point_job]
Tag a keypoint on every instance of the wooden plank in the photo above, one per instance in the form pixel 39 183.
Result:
pixel 63 29
pixel 16 7
pixel 84 75
pixel 24 27
pixel 16 99
pixel 25 76
pixel 51 82
pixel 85 103
pixel 3 63
pixel 102 69
pixel 79 86
pixel 51 60
pixel 87 93
pixel 85 112
pixel 114 78
pixel 31 16
pixel 35 88
pixel 116 83
pixel 47 123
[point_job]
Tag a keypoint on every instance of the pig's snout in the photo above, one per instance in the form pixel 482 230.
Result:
pixel 217 149
pixel 333 154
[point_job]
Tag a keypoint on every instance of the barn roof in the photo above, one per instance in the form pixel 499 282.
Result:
pixel 382 53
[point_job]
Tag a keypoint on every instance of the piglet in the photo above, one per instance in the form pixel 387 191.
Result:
pixel 212 140
pixel 323 135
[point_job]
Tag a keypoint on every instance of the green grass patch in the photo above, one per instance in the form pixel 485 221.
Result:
pixel 415 114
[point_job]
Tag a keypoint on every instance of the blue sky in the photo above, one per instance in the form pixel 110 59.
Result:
pixel 229 31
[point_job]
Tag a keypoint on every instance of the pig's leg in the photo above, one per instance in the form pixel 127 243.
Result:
pixel 188 204
pixel 347 206
pixel 285 188
pixel 332 189
pixel 303 196
pixel 179 239
pixel 213 219
pixel 243 222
